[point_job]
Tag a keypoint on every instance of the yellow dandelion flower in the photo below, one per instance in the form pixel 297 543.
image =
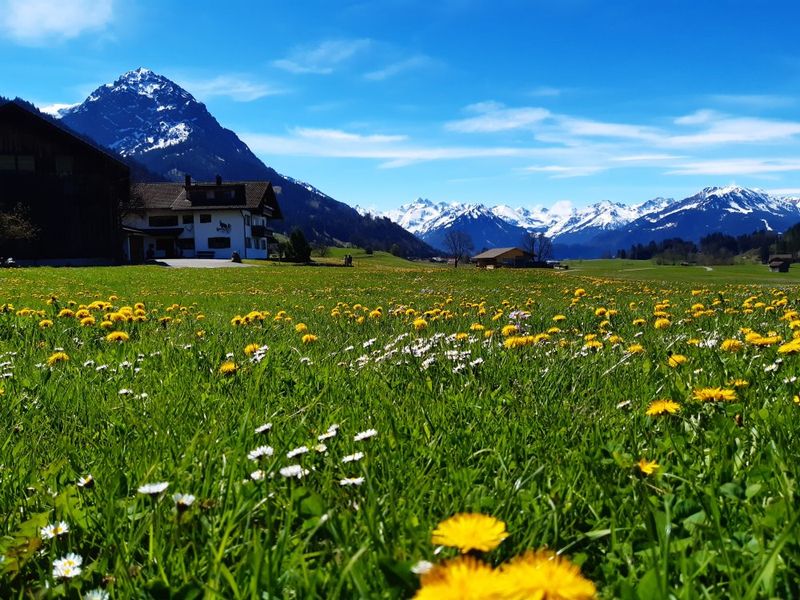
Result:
pixel 461 336
pixel 106 325
pixel 635 349
pixel 648 467
pixel 470 531
pixel 66 313
pixel 593 345
pixel 639 322
pixel 792 347
pixel 714 394
pixel 57 357
pixel 301 328
pixel 509 330
pixel 45 323
pixel 740 383
pixel 309 338
pixel 558 318
pixel 375 314
pixel 488 333
pixel 662 323
pixel 599 312
pixel 251 349
pixel 237 321
pixel 546 576
pixel 464 578
pixel 117 336
pixel 693 342
pixel 228 368
pixel 420 324
pixel 88 321
pixel 731 345
pixel 660 407
pixel 579 292
pixel 676 360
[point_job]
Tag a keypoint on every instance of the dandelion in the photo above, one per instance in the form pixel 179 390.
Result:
pixel 183 501
pixel 296 471
pixel 730 345
pixel 792 347
pixel 45 323
pixel 266 427
pixel 353 457
pixel 54 530
pixel 420 324
pixel 297 451
pixel 117 336
pixel 363 435
pixel 509 330
pixel 648 467
pixel 635 349
pixel 676 360
pixel 662 323
pixel 470 531
pixel 714 394
pixel 660 407
pixel 228 368
pixel 309 338
pixel 57 357
pixel 301 328
pixel 464 578
pixel 351 481
pixel 543 575
pixel 153 489
pixel 260 452
pixel 251 349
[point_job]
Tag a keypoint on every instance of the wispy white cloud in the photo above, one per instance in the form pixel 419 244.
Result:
pixel 565 171
pixel 737 166
pixel 545 91
pixel 784 192
pixel 236 87
pixel 323 58
pixel 43 22
pixel 420 61
pixel 720 129
pixel 492 117
pixel 754 101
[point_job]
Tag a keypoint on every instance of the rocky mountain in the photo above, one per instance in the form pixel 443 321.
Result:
pixel 604 227
pixel 145 116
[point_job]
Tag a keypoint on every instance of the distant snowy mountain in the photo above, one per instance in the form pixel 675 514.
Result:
pixel 606 226
pixel 147 117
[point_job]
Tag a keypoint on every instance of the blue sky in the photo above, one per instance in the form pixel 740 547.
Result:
pixel 503 101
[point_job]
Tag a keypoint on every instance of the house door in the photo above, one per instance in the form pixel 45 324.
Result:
pixel 137 249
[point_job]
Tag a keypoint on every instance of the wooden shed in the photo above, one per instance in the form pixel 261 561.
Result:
pixel 779 263
pixel 503 257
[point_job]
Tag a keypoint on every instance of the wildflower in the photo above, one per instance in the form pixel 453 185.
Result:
pixel 264 428
pixel 740 383
pixel 257 475
pixel 153 489
pixel 363 435
pixel 45 323
pixel 294 471
pixel 352 481
pixel 558 318
pixel 301 328
pixel 470 531
pixel 88 321
pixel 792 347
pixel 86 482
pixel 353 457
pixel 420 324
pixel 593 345
pixel 327 435
pixel 65 312
pixel 509 330
pixel 52 531
pixel 67 567
pixel 96 594
pixel 659 407
pixel 714 394
pixel 465 577
pixel 309 338
pixel 635 349
pixel 730 345
pixel 676 360
pixel 183 501
pixel 648 467
pixel 421 567
pixel 543 575
pixel 228 368
pixel 117 336
pixel 321 448
pixel 57 357
pixel 251 349
pixel 662 323
pixel 297 451
pixel 260 452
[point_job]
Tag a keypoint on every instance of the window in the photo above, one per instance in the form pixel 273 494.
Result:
pixel 248 243
pixel 163 221
pixel 247 220
pixel 26 163
pixel 219 242
pixel 7 162
pixel 186 243
pixel 63 165
pixel 188 219
pixel 263 244
pixel 205 218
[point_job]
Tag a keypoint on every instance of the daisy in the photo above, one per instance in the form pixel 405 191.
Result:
pixel 351 481
pixel 183 501
pixel 257 475
pixel 297 451
pixel 86 482
pixel 67 567
pixel 153 489
pixel 353 457
pixel 52 531
pixel 294 471
pixel 264 428
pixel 260 452
pixel 421 567
pixel 96 594
pixel 327 435
pixel 363 435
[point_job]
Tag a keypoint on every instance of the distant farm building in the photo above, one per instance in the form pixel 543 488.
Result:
pixel 202 220
pixel 779 263
pixel 69 190
pixel 503 257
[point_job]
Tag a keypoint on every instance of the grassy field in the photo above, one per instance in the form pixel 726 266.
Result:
pixel 399 395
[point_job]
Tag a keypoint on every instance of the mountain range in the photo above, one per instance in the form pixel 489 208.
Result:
pixel 603 227
pixel 148 118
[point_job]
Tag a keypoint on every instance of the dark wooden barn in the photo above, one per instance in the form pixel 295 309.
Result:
pixel 70 190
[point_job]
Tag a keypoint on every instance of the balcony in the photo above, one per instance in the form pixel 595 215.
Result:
pixel 260 231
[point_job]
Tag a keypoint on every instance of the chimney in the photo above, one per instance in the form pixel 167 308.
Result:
pixel 188 181
pixel 219 179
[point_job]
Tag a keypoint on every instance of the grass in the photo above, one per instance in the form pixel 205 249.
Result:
pixel 543 433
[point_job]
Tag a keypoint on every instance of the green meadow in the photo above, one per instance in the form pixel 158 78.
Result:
pixel 397 395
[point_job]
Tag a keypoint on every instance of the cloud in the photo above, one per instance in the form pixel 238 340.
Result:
pixel 493 117
pixel 43 22
pixel 565 171
pixel 754 101
pixel 545 91
pixel 722 129
pixel 737 166
pixel 236 87
pixel 413 63
pixel 323 58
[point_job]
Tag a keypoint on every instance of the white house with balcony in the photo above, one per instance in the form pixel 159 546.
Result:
pixel 200 220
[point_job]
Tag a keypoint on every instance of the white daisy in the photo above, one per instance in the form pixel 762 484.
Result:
pixel 260 452
pixel 297 452
pixel 86 482
pixel 421 567
pixel 183 501
pixel 363 435
pixel 294 471
pixel 351 481
pixel 153 489
pixel 264 428
pixel 96 594
pixel 321 448
pixel 353 457
pixel 56 529
pixel 257 475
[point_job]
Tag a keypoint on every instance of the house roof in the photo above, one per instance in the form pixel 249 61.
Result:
pixel 781 257
pixel 498 252
pixel 250 195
